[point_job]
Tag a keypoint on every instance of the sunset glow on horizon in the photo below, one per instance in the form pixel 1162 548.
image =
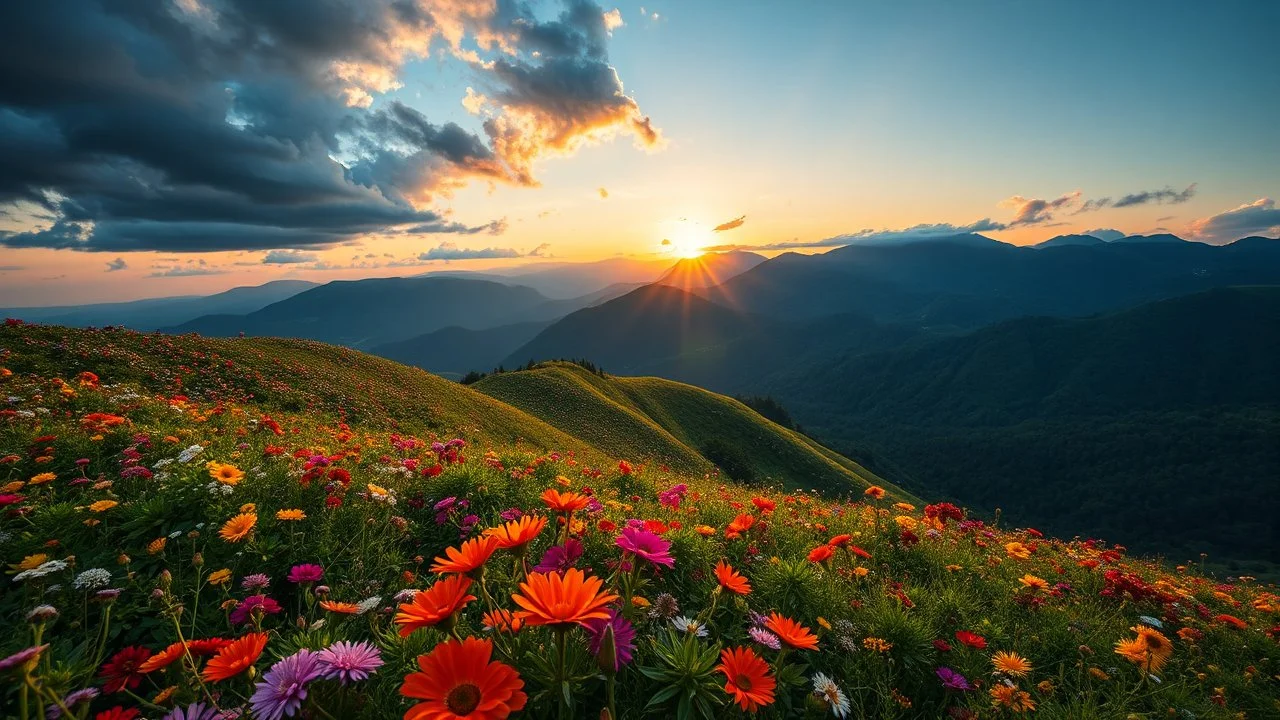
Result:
pixel 473 136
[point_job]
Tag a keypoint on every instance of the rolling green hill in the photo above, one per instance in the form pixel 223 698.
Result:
pixel 559 406
pixel 673 424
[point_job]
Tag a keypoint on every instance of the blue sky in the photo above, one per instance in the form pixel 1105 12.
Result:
pixel 811 119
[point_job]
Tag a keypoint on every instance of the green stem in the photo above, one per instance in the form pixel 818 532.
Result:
pixel 102 636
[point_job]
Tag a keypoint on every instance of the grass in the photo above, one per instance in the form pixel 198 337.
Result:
pixel 671 423
pixel 125 525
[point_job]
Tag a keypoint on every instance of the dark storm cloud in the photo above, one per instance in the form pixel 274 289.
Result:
pixel 201 125
pixel 1167 195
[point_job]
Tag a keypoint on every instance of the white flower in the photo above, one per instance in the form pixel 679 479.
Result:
pixel 40 571
pixel 42 411
pixel 26 414
pixel 92 579
pixel 368 604
pixel 175 534
pixel 189 454
pixel 826 689
pixel 217 488
pixel 1148 620
pixel 162 462
pixel 689 625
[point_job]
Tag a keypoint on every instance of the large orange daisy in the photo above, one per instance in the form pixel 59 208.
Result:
pixel 741 524
pixel 341 608
pixel 236 657
pixel 457 680
pixel 731 579
pixel 238 527
pixel 435 604
pixel 518 532
pixel 565 502
pixel 162 659
pixel 748 680
pixel 471 556
pixel 562 600
pixel 791 633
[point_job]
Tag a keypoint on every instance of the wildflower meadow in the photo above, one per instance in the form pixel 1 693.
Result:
pixel 183 538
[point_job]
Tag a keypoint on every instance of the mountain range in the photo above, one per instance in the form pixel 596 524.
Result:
pixel 1134 376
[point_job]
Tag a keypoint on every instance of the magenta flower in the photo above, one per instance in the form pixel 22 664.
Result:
pixel 647 545
pixel 243 614
pixel 559 558
pixel 257 581
pixel 284 687
pixel 349 662
pixel 624 636
pixel 306 573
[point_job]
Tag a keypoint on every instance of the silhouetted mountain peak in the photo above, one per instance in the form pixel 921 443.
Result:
pixel 1065 240
pixel 1152 239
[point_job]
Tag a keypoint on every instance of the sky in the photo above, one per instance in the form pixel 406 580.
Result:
pixel 188 146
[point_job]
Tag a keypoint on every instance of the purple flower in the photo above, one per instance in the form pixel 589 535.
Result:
pixel 243 614
pixel 647 545
pixel 349 662
pixel 559 558
pixel 194 711
pixel 952 680
pixel 445 504
pixel 765 638
pixel 53 712
pixel 257 581
pixel 22 657
pixel 511 514
pixel 624 636
pixel 284 687
pixel 305 573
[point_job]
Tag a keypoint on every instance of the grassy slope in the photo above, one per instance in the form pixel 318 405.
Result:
pixel 286 375
pixel 669 422
pixel 907 597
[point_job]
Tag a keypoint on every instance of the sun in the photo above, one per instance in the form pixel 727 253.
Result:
pixel 686 241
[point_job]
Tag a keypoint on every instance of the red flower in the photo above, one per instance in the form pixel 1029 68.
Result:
pixel 117 713
pixel 121 671
pixel 764 505
pixel 941 645
pixel 821 553
pixel 972 640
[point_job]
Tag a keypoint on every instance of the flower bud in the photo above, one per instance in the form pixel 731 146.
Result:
pixel 197 560
pixel 607 658
pixel 166 579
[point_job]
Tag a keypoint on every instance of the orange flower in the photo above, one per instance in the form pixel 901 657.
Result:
pixel 238 527
pixel 341 608
pixel 875 492
pixel 553 599
pixel 434 605
pixel 740 524
pixel 162 659
pixel 731 579
pixel 821 553
pixel 291 515
pixel 705 530
pixel 791 633
pixel 103 505
pixel 235 658
pixel 503 620
pixel 155 547
pixel 748 680
pixel 457 679
pixel 1017 550
pixel 471 557
pixel 518 532
pixel 566 502
pixel 226 474
pixel 840 540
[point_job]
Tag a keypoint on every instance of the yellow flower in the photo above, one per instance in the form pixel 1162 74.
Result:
pixel 96 438
pixel 905 522
pixel 1017 550
pixel 291 514
pixel 876 644
pixel 249 508
pixel 954 568
pixel 103 505
pixel 1010 663
pixel 220 577
pixel 155 547
pixel 904 507
pixel 43 478
pixel 1033 582
pixel 226 474
pixel 563 481
pixel 164 695
pixel 822 623
pixel 31 561
pixel 14 486
pixel 860 571
pixel 640 602
pixel 377 490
